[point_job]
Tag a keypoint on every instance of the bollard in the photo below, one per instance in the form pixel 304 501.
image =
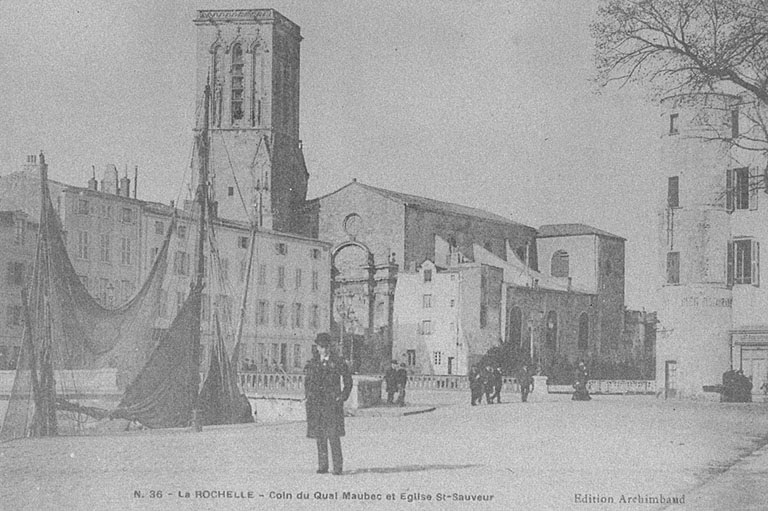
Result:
pixel 197 426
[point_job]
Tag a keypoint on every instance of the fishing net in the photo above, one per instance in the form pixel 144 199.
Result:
pixel 74 347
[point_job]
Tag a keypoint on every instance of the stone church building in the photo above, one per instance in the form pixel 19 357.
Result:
pixel 558 291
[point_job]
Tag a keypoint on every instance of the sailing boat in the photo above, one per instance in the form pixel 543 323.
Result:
pixel 68 334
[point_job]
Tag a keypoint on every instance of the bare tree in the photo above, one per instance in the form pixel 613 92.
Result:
pixel 684 46
pixel 690 47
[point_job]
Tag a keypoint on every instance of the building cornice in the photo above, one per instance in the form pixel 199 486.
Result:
pixel 248 16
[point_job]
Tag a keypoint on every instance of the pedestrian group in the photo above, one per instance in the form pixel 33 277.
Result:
pixel 395 380
pixel 485 382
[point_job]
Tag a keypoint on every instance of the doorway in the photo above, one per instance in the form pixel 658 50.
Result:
pixel 754 363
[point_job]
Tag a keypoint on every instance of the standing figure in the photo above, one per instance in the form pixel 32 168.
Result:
pixel 402 380
pixel 327 385
pixel 525 381
pixel 728 392
pixel 390 382
pixel 496 381
pixel 582 377
pixel 475 385
pixel 743 388
pixel 488 383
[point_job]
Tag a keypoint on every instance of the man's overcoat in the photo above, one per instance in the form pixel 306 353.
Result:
pixel 327 385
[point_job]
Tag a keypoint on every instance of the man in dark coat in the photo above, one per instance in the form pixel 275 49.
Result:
pixel 582 377
pixel 727 394
pixel 475 385
pixel 390 382
pixel 743 388
pixel 494 383
pixel 402 380
pixel 525 381
pixel 327 385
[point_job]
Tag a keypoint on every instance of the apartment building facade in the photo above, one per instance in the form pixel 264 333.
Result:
pixel 712 221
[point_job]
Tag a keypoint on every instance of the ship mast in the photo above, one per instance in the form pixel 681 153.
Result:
pixel 202 200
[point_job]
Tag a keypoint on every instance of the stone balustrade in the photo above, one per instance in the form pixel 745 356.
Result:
pixel 104 381
pixel 452 382
pixel 276 382
pixel 610 387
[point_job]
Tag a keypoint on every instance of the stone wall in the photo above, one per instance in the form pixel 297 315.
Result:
pixel 422 225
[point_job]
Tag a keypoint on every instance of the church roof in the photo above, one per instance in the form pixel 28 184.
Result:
pixel 431 204
pixel 554 230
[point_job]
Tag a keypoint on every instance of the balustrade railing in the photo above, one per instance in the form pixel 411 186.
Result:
pixel 452 382
pixel 610 387
pixel 622 386
pixel 288 382
pixel 283 382
pixel 294 383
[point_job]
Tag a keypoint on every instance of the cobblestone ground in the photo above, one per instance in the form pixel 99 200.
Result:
pixel 558 454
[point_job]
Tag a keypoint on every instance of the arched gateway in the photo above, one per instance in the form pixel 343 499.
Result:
pixel 355 305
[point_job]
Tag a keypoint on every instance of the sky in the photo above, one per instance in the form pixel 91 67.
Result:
pixel 488 104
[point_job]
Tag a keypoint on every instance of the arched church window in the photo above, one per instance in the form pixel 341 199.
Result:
pixel 515 326
pixel 559 266
pixel 238 81
pixel 583 331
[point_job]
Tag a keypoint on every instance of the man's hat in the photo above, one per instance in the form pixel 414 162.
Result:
pixel 323 339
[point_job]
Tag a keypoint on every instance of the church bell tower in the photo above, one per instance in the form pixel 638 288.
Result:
pixel 250 57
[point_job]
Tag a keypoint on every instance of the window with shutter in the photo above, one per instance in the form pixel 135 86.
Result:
pixel 673 128
pixel 673 192
pixel 729 265
pixel 755 263
pixel 754 186
pixel 673 267
pixel 743 266
pixel 729 190
pixel 741 191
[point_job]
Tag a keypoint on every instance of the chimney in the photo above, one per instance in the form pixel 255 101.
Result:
pixel 109 184
pixel 125 185
pixel 135 180
pixel 570 283
pixel 92 183
pixel 31 163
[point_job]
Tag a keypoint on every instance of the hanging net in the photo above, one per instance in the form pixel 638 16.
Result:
pixel 73 346
pixel 220 397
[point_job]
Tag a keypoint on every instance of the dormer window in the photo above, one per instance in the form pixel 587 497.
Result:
pixel 560 264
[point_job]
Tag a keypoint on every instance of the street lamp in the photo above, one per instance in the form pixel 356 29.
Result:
pixel 534 319
pixel 346 314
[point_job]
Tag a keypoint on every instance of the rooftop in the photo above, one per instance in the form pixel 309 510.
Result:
pixel 431 204
pixel 554 230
